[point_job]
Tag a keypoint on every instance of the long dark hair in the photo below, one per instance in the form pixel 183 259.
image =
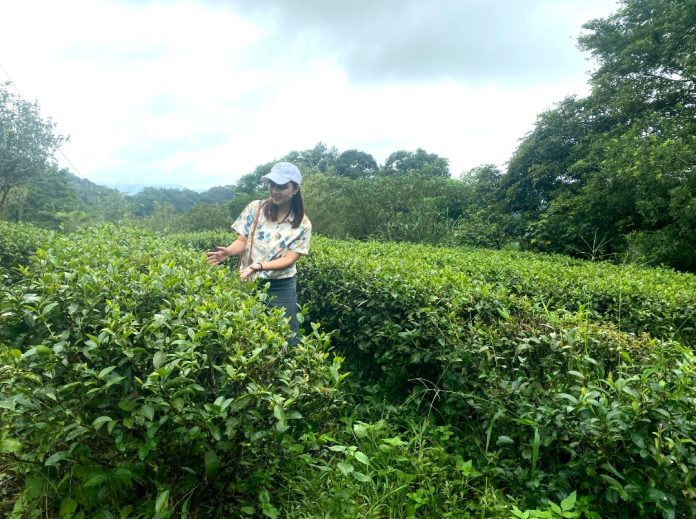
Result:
pixel 270 210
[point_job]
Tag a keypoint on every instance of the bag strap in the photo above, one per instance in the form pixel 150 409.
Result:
pixel 252 234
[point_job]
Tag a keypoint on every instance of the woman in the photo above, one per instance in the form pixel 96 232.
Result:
pixel 272 235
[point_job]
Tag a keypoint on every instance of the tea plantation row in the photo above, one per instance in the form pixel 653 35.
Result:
pixel 561 375
pixel 137 380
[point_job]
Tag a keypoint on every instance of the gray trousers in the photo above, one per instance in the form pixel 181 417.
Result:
pixel 282 294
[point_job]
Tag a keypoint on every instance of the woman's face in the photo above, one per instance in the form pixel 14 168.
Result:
pixel 282 194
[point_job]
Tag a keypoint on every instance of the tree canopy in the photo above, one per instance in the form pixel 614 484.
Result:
pixel 614 172
pixel 403 162
pixel 27 141
pixel 356 164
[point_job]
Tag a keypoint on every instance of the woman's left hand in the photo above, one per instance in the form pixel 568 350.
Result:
pixel 247 273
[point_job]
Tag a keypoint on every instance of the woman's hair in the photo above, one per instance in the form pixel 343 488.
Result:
pixel 270 210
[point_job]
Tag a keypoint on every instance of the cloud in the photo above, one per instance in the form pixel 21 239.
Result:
pixel 199 93
pixel 477 41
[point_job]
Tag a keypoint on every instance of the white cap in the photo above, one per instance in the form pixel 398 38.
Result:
pixel 284 172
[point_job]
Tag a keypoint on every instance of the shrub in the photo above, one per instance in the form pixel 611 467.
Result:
pixel 133 376
pixel 552 401
pixel 19 241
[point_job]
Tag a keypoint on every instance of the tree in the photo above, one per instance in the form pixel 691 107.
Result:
pixel 321 157
pixel 646 55
pixel 27 142
pixel 251 182
pixel 355 164
pixel 403 162
pixel 147 200
pixel 217 194
pixel 619 163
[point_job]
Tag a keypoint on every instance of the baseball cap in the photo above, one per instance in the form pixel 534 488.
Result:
pixel 284 172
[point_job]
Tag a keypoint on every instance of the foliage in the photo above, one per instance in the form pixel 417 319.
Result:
pixel 586 406
pixel 217 195
pixel 145 202
pixel 27 141
pixel 319 158
pixel 408 208
pixel 18 242
pixel 136 377
pixel 381 470
pixel 621 161
pixel 403 162
pixel 486 384
pixel 205 216
pixel 355 164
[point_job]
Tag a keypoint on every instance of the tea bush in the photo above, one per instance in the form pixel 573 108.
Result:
pixel 136 380
pixel 654 300
pixel 18 241
pixel 490 384
pixel 514 374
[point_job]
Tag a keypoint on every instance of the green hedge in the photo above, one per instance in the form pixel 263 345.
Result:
pixel 135 377
pixel 553 394
pixel 659 301
pixel 18 241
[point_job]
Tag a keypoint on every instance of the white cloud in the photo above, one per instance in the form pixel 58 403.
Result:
pixel 199 94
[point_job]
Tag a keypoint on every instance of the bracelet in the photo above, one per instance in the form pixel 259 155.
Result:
pixel 258 269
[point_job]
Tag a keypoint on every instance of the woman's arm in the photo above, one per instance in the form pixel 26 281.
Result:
pixel 276 264
pixel 220 254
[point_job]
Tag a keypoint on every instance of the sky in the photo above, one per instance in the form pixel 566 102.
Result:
pixel 198 93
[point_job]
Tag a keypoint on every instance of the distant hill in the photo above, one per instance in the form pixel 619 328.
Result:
pixel 132 189
pixel 60 194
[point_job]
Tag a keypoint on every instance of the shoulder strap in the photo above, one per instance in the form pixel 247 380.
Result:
pixel 252 234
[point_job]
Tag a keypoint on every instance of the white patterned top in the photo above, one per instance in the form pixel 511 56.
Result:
pixel 273 239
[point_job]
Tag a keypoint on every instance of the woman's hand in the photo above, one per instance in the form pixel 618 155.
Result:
pixel 248 272
pixel 219 255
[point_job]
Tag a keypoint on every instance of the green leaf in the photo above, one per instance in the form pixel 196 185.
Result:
pixel 67 506
pixel 48 308
pixel 362 458
pixel 569 502
pixel 114 380
pixel 363 478
pixel 345 468
pixel 360 430
pixel 162 501
pixel 212 463
pixel 55 458
pixel 489 429
pixel 98 422
pixel 616 486
pixel 638 439
pixel 103 373
pixel 158 359
pixel 535 449
pixel 96 480
pixel 148 411
pixel 279 413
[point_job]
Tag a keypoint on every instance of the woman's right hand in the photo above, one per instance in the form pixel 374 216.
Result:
pixel 217 256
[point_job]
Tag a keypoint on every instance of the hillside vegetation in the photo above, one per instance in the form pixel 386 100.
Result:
pixel 472 387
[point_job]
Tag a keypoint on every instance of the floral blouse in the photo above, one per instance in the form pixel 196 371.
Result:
pixel 273 239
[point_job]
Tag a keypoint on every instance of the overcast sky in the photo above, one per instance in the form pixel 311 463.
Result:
pixel 198 93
